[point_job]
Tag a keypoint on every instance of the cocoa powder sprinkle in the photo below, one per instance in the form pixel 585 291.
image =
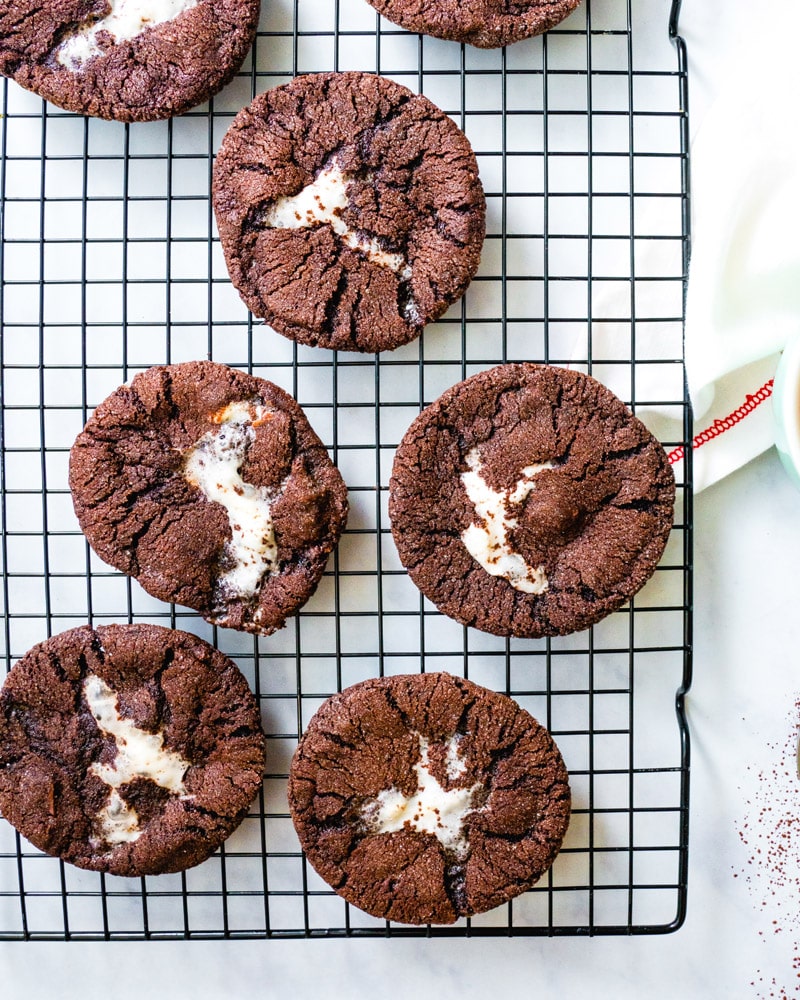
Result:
pixel 770 830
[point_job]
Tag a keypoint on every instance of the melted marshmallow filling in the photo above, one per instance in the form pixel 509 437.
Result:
pixel 432 808
pixel 126 20
pixel 323 202
pixel 214 466
pixel 487 542
pixel 139 755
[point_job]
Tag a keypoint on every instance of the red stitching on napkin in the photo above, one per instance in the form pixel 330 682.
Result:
pixel 751 402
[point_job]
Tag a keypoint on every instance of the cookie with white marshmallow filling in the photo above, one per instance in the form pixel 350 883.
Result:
pixel 211 488
pixel 129 749
pixel 529 501
pixel 425 798
pixel 349 209
pixel 130 60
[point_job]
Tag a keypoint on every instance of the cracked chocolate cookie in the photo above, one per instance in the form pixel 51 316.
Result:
pixel 129 749
pixel 211 488
pixel 487 24
pixel 424 798
pixel 529 501
pixel 131 60
pixel 349 210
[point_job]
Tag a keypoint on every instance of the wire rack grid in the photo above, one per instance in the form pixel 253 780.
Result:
pixel 110 263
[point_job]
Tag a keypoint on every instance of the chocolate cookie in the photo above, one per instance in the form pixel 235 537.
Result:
pixel 129 749
pixel 132 60
pixel 426 798
pixel 485 23
pixel 210 487
pixel 529 501
pixel 349 209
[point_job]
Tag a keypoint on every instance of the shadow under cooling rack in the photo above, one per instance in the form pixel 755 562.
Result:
pixel 110 263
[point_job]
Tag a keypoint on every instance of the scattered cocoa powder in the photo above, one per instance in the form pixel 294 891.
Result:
pixel 770 830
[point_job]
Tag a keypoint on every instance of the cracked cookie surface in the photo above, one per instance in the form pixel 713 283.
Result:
pixel 529 501
pixel 129 60
pixel 488 24
pixel 211 488
pixel 424 798
pixel 349 209
pixel 129 749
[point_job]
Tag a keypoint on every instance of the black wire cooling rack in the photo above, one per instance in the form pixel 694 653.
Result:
pixel 110 263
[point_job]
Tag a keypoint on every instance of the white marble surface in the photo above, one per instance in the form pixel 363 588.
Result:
pixel 746 681
pixel 741 710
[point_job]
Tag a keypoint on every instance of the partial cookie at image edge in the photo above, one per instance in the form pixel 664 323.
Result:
pixel 128 749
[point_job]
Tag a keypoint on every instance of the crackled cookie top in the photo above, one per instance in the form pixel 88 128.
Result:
pixel 349 210
pixel 131 60
pixel 210 487
pixel 423 798
pixel 529 501
pixel 485 23
pixel 129 749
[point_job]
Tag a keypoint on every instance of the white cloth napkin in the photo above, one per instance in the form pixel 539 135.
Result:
pixel 743 303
